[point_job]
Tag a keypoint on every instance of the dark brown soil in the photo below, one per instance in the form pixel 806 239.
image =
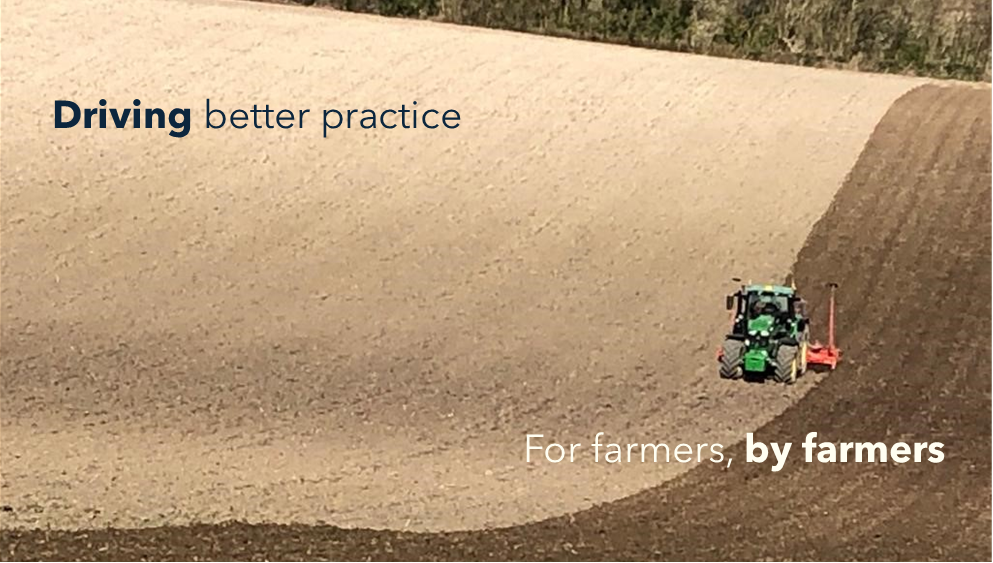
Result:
pixel 908 240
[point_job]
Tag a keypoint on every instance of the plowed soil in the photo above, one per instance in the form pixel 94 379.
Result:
pixel 359 330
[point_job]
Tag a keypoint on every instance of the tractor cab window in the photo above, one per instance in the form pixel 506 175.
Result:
pixel 767 304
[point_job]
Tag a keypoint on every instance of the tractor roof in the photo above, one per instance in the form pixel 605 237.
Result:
pixel 776 289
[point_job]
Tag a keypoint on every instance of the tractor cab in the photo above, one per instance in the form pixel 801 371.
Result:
pixel 758 309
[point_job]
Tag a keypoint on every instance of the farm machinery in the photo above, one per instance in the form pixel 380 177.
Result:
pixel 770 334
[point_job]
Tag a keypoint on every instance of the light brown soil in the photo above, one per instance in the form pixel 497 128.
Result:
pixel 276 327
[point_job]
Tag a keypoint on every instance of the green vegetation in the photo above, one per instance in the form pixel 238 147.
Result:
pixel 938 38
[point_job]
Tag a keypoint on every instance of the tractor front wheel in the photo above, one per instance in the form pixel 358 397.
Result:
pixel 787 364
pixel 731 359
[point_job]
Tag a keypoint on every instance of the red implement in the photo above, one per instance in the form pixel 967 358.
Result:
pixel 819 354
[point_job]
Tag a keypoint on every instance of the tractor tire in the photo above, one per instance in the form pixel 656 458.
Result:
pixel 787 365
pixel 731 359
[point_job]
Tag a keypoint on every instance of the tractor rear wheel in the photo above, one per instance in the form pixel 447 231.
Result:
pixel 731 359
pixel 787 364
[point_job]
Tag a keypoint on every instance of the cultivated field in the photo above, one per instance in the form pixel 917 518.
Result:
pixel 359 330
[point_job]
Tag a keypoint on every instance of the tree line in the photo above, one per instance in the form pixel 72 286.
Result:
pixel 937 38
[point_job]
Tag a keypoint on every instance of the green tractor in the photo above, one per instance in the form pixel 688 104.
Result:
pixel 769 335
